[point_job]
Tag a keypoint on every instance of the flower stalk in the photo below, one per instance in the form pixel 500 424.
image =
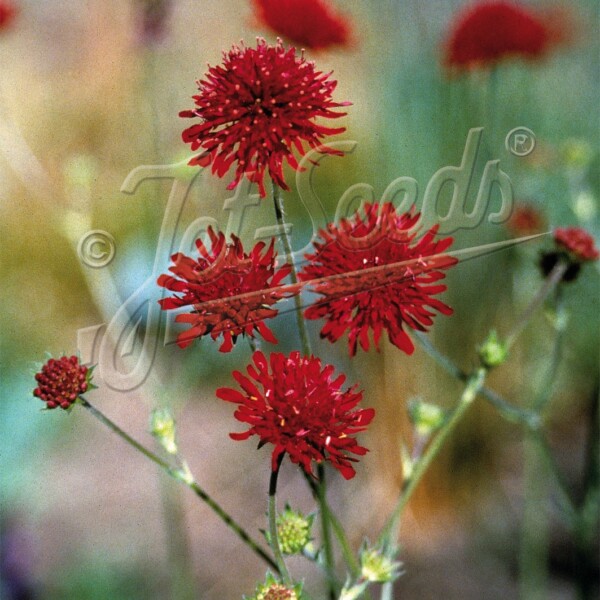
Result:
pixel 473 387
pixel 184 476
pixel 307 351
pixel 553 279
pixel 289 258
pixel 273 534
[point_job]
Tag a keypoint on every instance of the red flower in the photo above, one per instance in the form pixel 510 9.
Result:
pixel 230 291
pixel 255 107
pixel 296 406
pixel 577 242
pixel 488 32
pixel 60 382
pixel 153 17
pixel 526 219
pixel 7 13
pixel 372 274
pixel 312 24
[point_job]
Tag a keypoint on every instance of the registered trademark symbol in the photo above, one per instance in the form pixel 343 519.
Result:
pixel 520 141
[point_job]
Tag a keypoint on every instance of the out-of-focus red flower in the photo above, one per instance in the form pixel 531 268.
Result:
pixel 526 219
pixel 483 34
pixel 229 291
pixel 61 381
pixel 7 13
pixel 313 24
pixel 257 108
pixel 386 280
pixel 153 18
pixel 574 247
pixel 294 403
pixel 577 242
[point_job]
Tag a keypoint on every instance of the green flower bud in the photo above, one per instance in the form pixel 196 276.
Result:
pixel 354 592
pixel 426 418
pixel 293 530
pixel 493 352
pixel 162 427
pixel 377 567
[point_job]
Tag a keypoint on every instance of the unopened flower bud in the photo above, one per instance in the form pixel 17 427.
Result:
pixel 293 530
pixel 426 418
pixel 493 352
pixel 376 567
pixel 162 427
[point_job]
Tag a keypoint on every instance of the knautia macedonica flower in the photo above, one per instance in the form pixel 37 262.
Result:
pixel 372 273
pixel 313 24
pixel 258 108
pixel 273 590
pixel 577 242
pixel 229 291
pixel 486 33
pixel 574 247
pixel 526 219
pixel 296 404
pixel 61 381
pixel 7 13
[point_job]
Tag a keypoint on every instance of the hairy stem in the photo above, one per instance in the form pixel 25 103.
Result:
pixel 183 476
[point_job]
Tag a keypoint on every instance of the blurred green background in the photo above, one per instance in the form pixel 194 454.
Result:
pixel 85 99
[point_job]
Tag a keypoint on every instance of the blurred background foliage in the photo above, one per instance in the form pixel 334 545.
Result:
pixel 84 99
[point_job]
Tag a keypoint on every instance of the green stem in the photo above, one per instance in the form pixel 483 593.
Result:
pixel 564 499
pixel 280 216
pixel 473 387
pixel 514 414
pixel 528 418
pixel 533 558
pixel 553 279
pixel 538 464
pixel 307 351
pixel 325 528
pixel 274 537
pixel 545 393
pixel 340 534
pixel 183 476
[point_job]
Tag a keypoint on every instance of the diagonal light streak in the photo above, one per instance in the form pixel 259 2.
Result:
pixel 394 272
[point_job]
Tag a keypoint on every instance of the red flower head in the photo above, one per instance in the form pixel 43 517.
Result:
pixel 255 107
pixel 574 247
pixel 293 403
pixel 7 13
pixel 230 291
pixel 489 32
pixel 526 219
pixel 60 382
pixel 312 24
pixel 577 242
pixel 373 274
